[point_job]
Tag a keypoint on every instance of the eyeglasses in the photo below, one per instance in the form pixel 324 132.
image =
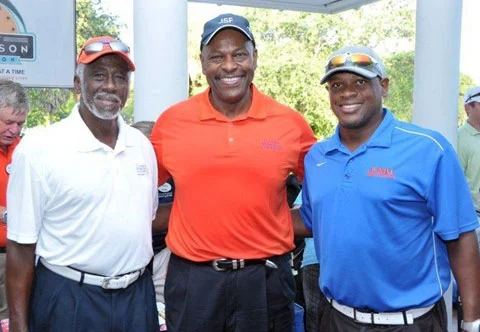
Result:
pixel 356 59
pixel 471 97
pixel 115 45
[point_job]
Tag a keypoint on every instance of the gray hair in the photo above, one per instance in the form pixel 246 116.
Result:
pixel 144 126
pixel 80 70
pixel 13 95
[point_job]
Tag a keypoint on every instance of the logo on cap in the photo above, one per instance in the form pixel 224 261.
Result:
pixel 226 20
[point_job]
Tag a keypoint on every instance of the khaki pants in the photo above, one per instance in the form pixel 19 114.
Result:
pixel 3 294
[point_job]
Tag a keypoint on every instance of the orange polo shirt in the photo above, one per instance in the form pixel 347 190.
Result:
pixel 230 196
pixel 5 160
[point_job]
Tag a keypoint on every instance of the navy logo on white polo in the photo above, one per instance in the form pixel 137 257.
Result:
pixel 141 169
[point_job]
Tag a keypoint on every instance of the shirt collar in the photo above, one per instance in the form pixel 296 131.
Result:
pixel 85 141
pixel 10 148
pixel 382 137
pixel 470 129
pixel 257 108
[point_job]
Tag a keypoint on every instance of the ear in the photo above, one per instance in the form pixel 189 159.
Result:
pixel 255 56
pixel 77 85
pixel 467 108
pixel 203 61
pixel 385 84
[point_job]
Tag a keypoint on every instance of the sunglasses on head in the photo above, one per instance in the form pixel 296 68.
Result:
pixel 356 59
pixel 471 97
pixel 115 45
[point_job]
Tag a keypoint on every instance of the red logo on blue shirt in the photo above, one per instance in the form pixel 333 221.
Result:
pixel 381 172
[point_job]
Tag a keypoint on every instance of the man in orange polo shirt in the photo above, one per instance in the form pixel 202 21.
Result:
pixel 230 150
pixel 13 112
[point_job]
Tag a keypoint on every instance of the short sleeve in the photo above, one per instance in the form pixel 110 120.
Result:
pixel 306 209
pixel 307 139
pixel 449 199
pixel 157 142
pixel 26 196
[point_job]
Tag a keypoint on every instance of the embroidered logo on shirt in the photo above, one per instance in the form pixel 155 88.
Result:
pixel 381 172
pixel 321 164
pixel 141 169
pixel 165 188
pixel 271 145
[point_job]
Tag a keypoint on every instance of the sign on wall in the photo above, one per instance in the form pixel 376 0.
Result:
pixel 37 42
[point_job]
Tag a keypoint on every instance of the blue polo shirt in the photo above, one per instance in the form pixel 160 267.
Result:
pixel 380 215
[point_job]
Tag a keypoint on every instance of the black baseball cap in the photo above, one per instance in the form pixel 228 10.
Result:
pixel 224 21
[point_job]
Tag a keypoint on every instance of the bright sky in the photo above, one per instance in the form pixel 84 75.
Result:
pixel 469 54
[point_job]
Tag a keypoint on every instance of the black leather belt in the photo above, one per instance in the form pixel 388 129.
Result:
pixel 3 250
pixel 225 264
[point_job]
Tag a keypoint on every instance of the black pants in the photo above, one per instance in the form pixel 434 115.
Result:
pixel 433 321
pixel 256 298
pixel 315 301
pixel 58 304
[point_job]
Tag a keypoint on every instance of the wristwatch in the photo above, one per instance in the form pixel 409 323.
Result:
pixel 471 326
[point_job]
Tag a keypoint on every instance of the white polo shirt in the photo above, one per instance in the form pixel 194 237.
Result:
pixel 85 204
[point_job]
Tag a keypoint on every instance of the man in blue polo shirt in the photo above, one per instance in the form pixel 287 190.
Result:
pixel 389 208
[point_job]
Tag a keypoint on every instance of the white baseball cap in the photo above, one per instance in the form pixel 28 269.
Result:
pixel 473 94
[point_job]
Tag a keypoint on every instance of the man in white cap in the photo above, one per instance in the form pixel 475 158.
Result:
pixel 389 209
pixel 469 144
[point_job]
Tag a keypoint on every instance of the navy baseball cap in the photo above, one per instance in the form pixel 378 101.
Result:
pixel 224 21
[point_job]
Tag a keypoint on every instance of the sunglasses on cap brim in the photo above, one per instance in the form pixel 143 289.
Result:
pixel 360 60
pixel 97 47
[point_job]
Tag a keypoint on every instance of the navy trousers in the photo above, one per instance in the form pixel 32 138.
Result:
pixel 256 298
pixel 59 304
pixel 315 301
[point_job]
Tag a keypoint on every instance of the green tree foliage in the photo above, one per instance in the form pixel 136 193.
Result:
pixel 127 112
pixel 400 69
pixel 466 83
pixel 50 105
pixel 92 21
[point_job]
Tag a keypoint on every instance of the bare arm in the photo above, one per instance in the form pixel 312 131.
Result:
pixel 20 273
pixel 160 223
pixel 2 211
pixel 465 261
pixel 299 228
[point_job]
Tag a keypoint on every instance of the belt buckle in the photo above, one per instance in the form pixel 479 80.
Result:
pixel 106 281
pixel 215 264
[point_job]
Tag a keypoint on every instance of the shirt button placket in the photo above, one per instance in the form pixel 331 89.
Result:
pixel 348 170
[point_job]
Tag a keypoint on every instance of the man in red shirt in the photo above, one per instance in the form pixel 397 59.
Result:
pixel 14 108
pixel 229 151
